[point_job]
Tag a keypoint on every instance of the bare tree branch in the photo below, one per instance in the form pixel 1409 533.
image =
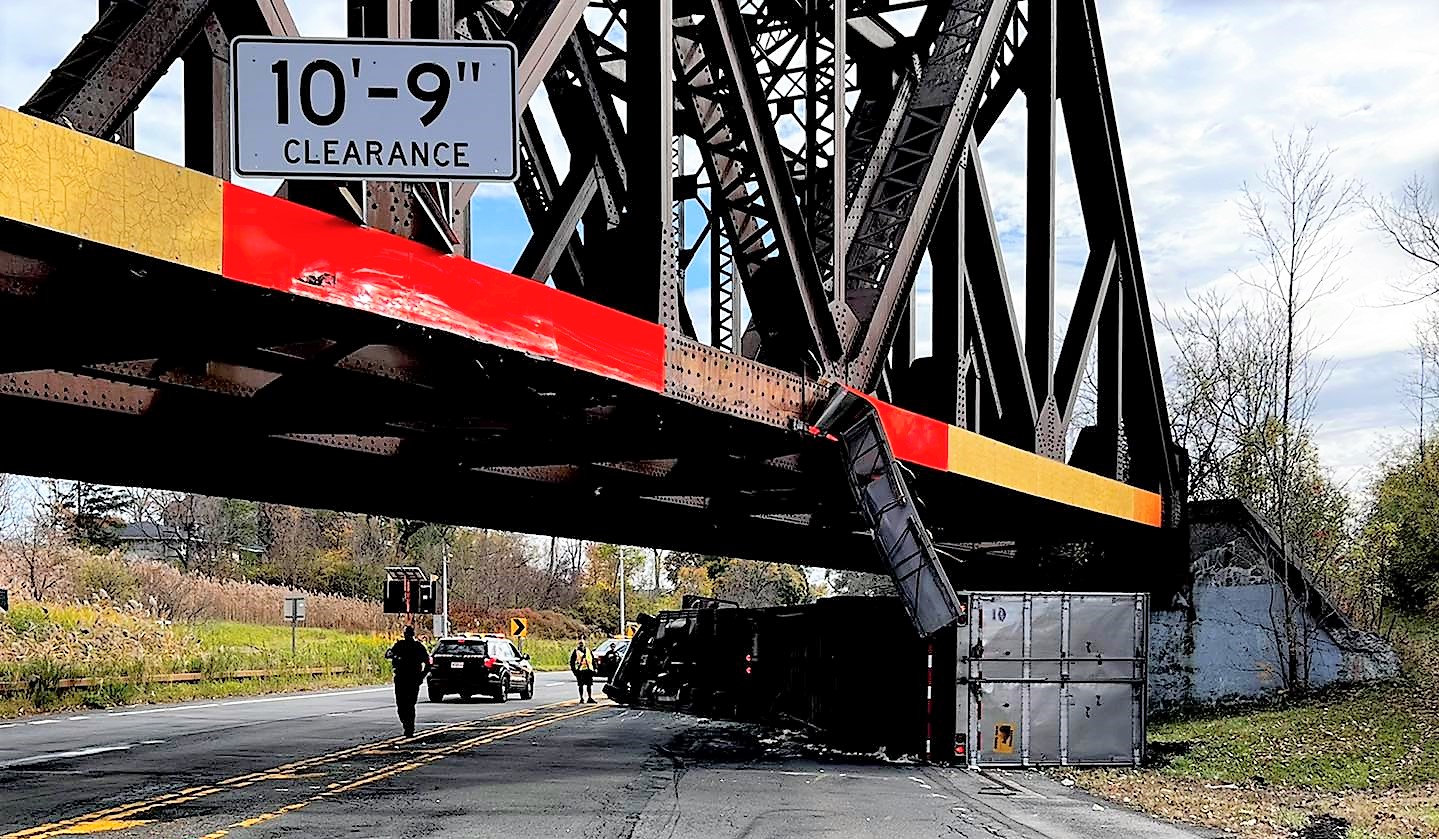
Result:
pixel 1411 221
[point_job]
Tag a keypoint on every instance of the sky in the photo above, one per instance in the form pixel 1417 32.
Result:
pixel 1201 88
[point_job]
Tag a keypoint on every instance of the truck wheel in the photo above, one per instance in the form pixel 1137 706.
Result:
pixel 504 694
pixel 436 695
pixel 528 691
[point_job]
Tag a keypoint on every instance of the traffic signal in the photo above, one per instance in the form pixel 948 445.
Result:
pixel 408 592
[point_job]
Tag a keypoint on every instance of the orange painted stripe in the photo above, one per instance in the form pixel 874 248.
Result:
pixel 924 441
pixel 991 461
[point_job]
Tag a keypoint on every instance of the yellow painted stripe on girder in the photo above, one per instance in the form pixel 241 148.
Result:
pixel 994 462
pixel 65 181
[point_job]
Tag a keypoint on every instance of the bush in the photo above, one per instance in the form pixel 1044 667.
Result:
pixel 99 577
pixel 111 694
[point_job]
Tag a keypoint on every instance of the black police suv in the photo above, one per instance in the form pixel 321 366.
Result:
pixel 608 654
pixel 479 664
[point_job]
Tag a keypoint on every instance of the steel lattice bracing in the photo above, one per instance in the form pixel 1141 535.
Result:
pixel 787 163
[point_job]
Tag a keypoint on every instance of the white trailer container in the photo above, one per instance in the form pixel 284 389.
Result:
pixel 1052 679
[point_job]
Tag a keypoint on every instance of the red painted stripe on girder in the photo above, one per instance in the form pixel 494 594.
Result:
pixel 913 437
pixel 280 245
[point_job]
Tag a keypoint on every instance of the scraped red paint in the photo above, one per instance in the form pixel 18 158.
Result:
pixel 276 244
pixel 913 437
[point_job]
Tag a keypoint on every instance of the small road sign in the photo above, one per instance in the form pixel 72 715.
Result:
pixel 519 628
pixel 4 600
pixel 294 613
pixel 364 108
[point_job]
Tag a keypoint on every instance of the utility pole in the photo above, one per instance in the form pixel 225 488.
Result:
pixel 445 587
pixel 622 592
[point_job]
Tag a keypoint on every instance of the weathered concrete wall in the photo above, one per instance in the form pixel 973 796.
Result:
pixel 1238 640
pixel 1225 640
pixel 1228 651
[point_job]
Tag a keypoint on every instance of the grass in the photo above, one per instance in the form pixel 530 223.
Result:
pixel 230 646
pixel 553 654
pixel 41 645
pixel 1346 740
pixel 1368 755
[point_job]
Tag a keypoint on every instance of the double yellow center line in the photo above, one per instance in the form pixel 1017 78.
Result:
pixel 123 816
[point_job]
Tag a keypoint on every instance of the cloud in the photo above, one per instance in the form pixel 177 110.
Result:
pixel 1200 91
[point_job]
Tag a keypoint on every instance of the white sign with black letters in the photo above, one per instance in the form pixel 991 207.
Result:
pixel 376 109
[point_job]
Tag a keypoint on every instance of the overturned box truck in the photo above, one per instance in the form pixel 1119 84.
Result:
pixel 1021 679
pixel 982 679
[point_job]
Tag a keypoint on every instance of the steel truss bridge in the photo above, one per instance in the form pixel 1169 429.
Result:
pixel 333 346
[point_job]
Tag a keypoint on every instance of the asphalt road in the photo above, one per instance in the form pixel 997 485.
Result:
pixel 331 764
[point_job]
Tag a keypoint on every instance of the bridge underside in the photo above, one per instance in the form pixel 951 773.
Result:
pixel 534 411
pixel 160 326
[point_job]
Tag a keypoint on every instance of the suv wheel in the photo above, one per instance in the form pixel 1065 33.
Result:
pixel 436 695
pixel 504 694
pixel 528 691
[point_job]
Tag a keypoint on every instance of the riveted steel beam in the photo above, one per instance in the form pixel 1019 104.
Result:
pixel 744 159
pixel 97 86
pixel 1104 198
pixel 988 289
pixel 897 220
pixel 1083 324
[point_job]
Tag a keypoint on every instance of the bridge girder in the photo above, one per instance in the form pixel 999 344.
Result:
pixel 723 165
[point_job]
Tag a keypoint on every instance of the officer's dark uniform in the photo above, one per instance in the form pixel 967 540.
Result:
pixel 411 662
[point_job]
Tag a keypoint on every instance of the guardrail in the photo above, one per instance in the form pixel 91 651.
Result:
pixel 96 681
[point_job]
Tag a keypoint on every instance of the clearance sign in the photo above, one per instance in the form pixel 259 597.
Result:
pixel 377 109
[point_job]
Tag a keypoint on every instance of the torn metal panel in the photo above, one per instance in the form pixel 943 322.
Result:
pixel 888 508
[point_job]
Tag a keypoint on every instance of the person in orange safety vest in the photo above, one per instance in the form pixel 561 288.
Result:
pixel 582 664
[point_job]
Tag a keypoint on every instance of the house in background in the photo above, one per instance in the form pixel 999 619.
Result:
pixel 148 540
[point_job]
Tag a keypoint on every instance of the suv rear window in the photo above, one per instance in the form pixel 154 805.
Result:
pixel 461 648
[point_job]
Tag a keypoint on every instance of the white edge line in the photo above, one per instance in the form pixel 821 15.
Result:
pixel 46 758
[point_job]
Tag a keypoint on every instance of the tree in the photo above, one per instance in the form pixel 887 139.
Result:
pixel 862 584
pixel 88 513
pixel 39 554
pixel 693 580
pixel 1410 220
pixel 1247 373
pixel 8 485
pixel 202 533
pixel 1223 382
pixel 1423 387
pixel 750 583
pixel 1292 216
pixel 1402 526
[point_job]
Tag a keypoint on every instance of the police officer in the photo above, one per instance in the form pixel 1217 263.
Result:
pixel 411 662
pixel 582 664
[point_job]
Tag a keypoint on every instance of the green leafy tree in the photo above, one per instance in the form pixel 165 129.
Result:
pixel 751 583
pixel 1402 527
